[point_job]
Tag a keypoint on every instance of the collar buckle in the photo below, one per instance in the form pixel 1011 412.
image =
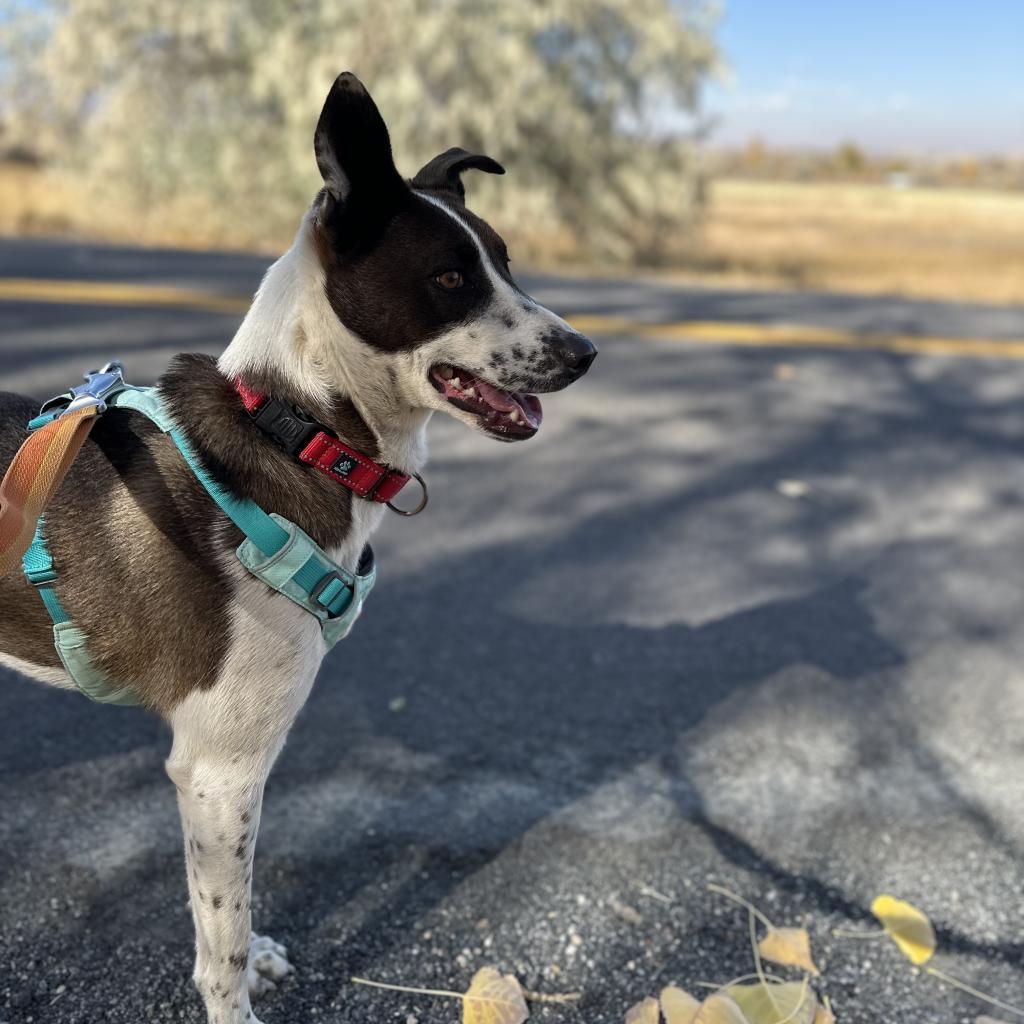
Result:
pixel 287 424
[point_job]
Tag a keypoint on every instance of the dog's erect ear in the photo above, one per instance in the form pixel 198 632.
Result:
pixel 353 150
pixel 444 171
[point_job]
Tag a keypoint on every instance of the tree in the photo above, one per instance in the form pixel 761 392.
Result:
pixel 164 100
pixel 850 158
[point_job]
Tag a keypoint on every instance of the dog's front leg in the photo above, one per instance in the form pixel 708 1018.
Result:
pixel 220 803
pixel 219 817
pixel 225 742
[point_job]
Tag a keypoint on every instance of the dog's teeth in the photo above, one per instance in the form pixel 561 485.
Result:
pixel 470 392
pixel 445 371
pixel 514 416
pixel 456 382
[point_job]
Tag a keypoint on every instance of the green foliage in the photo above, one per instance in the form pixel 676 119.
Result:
pixel 158 99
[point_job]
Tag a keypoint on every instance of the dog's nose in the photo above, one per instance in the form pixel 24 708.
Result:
pixel 576 351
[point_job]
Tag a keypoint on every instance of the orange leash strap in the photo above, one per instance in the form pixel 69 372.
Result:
pixel 33 477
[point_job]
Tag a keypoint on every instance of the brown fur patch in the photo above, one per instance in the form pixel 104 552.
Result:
pixel 138 543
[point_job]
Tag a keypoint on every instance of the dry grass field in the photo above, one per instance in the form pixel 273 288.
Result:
pixel 34 202
pixel 942 243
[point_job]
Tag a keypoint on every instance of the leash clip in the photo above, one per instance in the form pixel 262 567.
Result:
pixel 98 387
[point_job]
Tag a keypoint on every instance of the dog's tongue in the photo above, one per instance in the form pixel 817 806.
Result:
pixel 495 397
pixel 508 401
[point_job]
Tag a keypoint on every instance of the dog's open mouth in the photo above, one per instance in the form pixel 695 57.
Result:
pixel 511 415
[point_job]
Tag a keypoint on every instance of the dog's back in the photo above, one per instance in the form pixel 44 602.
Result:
pixel 134 556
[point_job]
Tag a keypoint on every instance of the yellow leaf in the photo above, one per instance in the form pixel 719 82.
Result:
pixel 719 1009
pixel 677 1006
pixel 789 946
pixel 645 1012
pixel 761 1003
pixel 907 926
pixel 824 1016
pixel 494 998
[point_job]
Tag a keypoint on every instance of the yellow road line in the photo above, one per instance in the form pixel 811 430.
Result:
pixel 710 332
pixel 115 293
pixel 717 332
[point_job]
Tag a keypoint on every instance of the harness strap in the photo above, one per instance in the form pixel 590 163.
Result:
pixel 40 572
pixel 261 530
pixel 71 643
pixel 32 479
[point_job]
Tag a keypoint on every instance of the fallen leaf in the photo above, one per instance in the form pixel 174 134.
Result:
pixel 789 946
pixel 907 927
pixel 494 998
pixel 769 1003
pixel 785 371
pixel 677 1006
pixel 719 1009
pixel 645 1012
pixel 824 1016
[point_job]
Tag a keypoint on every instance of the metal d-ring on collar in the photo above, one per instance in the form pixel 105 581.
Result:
pixel 424 498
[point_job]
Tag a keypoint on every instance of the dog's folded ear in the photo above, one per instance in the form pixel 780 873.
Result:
pixel 443 173
pixel 353 149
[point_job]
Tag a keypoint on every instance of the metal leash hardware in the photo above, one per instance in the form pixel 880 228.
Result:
pixel 424 498
pixel 99 385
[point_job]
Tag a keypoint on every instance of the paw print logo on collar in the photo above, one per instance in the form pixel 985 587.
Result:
pixel 344 465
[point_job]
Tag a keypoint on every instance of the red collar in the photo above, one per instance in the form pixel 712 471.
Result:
pixel 312 443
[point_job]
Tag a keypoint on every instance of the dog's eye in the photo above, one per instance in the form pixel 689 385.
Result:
pixel 450 279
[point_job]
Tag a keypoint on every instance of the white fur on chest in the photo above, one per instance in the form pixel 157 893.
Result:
pixel 366 517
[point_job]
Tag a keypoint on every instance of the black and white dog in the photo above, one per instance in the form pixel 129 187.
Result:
pixel 393 302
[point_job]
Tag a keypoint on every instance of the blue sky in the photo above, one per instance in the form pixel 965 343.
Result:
pixel 903 76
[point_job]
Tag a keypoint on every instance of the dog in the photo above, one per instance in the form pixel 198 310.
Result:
pixel 394 302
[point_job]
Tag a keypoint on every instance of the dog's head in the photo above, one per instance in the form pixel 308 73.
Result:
pixel 426 285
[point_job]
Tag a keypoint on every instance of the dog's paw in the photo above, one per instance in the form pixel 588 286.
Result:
pixel 268 964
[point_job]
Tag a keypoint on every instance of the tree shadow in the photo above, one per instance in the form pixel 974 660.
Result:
pixel 514 713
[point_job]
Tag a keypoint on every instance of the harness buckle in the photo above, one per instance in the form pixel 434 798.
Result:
pixel 41 577
pixel 325 593
pixel 98 387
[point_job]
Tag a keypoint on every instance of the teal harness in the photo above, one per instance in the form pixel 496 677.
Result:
pixel 275 550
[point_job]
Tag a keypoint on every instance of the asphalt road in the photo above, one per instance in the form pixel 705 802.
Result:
pixel 749 615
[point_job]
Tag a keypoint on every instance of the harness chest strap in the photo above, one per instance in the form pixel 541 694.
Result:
pixel 273 544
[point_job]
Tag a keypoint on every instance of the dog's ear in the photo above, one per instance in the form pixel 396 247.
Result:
pixel 444 172
pixel 353 149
